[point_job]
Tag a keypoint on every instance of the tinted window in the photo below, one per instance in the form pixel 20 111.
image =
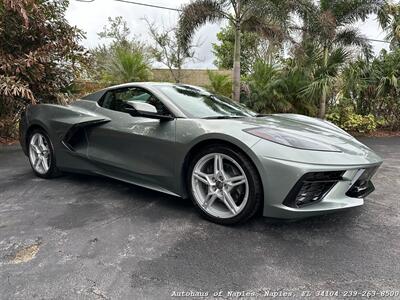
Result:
pixel 119 99
pixel 200 104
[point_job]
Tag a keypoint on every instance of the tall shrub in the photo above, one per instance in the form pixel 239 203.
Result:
pixel 40 53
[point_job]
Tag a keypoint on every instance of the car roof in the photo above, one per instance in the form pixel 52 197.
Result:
pixel 143 84
pixel 151 84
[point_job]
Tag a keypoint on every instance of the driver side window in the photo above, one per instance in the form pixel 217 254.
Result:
pixel 119 99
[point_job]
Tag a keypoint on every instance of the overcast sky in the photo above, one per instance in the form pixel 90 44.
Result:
pixel 91 17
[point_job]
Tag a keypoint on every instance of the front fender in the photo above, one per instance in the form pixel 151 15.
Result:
pixel 191 135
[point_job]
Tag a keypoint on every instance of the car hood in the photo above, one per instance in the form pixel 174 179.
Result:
pixel 310 128
pixel 302 126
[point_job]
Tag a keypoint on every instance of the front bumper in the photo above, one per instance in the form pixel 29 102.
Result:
pixel 282 181
pixel 23 128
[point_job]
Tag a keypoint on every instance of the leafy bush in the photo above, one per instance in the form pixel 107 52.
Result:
pixel 220 84
pixel 126 65
pixel 40 57
pixel 358 123
pixel 350 121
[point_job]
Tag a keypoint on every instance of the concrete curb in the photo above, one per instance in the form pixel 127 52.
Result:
pixel 7 148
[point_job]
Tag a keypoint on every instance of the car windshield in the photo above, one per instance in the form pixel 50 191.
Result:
pixel 196 103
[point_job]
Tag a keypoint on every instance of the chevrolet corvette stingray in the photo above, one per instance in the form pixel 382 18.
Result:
pixel 185 141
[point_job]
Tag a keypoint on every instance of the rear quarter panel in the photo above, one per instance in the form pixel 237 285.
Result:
pixel 56 120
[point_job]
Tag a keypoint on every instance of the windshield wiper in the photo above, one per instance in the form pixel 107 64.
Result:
pixel 261 116
pixel 223 117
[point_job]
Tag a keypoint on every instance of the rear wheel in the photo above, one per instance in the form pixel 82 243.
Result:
pixel 224 185
pixel 41 155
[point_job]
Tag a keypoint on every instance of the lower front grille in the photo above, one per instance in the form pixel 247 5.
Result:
pixel 312 188
pixel 363 186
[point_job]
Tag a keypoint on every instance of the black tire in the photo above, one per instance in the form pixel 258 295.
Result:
pixel 53 171
pixel 255 186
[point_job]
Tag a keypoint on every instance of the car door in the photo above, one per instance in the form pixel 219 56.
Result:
pixel 133 148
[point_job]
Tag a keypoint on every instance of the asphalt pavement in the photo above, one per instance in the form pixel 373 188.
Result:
pixel 86 237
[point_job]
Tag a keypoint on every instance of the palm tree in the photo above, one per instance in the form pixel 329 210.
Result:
pixel 268 17
pixel 325 74
pixel 329 24
pixel 389 18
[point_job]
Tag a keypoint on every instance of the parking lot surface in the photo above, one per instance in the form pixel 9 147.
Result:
pixel 90 237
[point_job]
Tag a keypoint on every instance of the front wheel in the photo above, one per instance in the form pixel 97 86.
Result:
pixel 41 155
pixel 224 185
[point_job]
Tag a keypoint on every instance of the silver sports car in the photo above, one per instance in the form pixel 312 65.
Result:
pixel 185 141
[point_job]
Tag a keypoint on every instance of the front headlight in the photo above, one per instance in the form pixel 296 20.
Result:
pixel 290 139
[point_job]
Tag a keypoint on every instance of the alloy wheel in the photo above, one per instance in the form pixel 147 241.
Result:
pixel 220 185
pixel 39 153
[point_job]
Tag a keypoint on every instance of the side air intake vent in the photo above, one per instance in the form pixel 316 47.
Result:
pixel 75 138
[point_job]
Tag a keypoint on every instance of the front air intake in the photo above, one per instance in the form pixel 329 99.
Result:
pixel 363 186
pixel 312 188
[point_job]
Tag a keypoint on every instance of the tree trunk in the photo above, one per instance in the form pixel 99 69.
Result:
pixel 236 58
pixel 322 102
pixel 236 66
pixel 179 76
pixel 322 105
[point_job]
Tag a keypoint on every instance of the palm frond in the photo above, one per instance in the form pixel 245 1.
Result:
pixel 349 36
pixel 196 14
pixel 272 19
pixel 268 89
pixel 389 19
pixel 266 28
pixel 384 15
pixel 337 58
pixel 326 75
pixel 350 11
pixel 319 87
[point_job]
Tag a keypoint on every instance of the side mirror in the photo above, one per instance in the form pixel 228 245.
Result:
pixel 140 109
pixel 143 107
